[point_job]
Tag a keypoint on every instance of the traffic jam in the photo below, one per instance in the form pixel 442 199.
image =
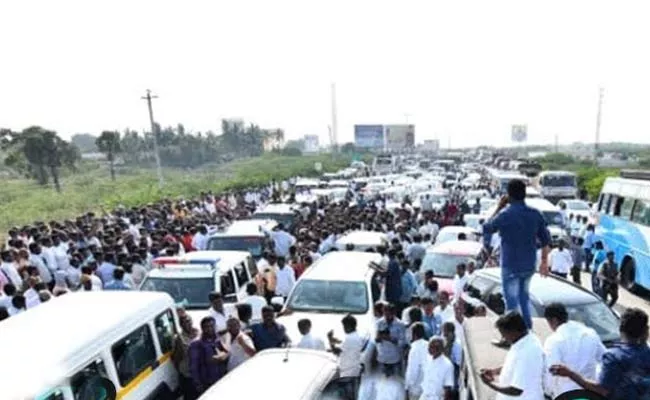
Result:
pixel 406 278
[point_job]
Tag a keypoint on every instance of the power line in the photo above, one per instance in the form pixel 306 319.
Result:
pixel 148 98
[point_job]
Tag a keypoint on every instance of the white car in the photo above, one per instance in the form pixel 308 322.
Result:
pixel 362 240
pixel 449 233
pixel 339 283
pixel 576 207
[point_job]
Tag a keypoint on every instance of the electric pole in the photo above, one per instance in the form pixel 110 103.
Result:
pixel 601 93
pixel 334 128
pixel 148 97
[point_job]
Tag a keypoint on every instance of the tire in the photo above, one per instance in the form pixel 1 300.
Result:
pixel 628 271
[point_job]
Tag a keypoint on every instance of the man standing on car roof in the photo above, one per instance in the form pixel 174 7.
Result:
pixel 520 228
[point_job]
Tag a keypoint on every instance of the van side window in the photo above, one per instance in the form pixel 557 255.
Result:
pixel 625 211
pixel 252 267
pixel 607 198
pixel 241 274
pixel 165 330
pixel 91 382
pixel 133 354
pixel 57 394
pixel 228 291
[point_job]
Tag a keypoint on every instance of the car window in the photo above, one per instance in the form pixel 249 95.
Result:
pixel 165 330
pixel 241 275
pixel 228 289
pixel 91 382
pixel 252 267
pixel 133 354
pixel 312 295
pixel 479 287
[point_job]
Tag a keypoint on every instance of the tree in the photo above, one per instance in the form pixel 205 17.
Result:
pixel 109 143
pixel 85 142
pixel 39 153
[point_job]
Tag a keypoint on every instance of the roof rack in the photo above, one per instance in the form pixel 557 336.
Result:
pixel 640 174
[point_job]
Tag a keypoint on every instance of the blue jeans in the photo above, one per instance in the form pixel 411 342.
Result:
pixel 515 294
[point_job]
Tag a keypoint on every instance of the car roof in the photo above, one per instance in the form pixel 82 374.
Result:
pixel 225 261
pixel 458 229
pixel 248 227
pixel 364 238
pixel 548 289
pixel 541 204
pixel 276 208
pixel 343 266
pixel 457 247
pixel 282 373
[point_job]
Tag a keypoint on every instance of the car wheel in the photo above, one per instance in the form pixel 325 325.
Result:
pixel 628 272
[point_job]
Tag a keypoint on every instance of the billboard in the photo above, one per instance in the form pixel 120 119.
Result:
pixel 431 145
pixel 312 144
pixel 400 136
pixel 519 133
pixel 369 136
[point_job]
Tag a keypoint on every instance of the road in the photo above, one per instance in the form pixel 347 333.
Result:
pixel 625 298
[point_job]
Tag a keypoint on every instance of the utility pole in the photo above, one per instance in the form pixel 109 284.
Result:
pixel 148 97
pixel 334 128
pixel 601 93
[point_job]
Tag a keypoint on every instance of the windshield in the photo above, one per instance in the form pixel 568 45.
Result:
pixel 595 315
pixel 284 219
pixel 443 265
pixel 329 296
pixel 251 244
pixel 193 292
pixel 553 217
pixel 384 161
pixel 559 180
pixel 577 205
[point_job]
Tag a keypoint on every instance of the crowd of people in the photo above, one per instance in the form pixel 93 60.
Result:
pixel 419 328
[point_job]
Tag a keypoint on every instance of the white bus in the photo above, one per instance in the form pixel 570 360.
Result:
pixel 557 185
pixel 91 345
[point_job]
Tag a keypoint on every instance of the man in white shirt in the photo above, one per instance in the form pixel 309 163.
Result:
pixel 286 278
pixel 417 357
pixel 200 239
pixel 571 344
pixel 217 312
pixel 522 374
pixel 36 259
pixel 460 280
pixel 8 269
pixel 239 345
pixel 444 310
pixel 282 240
pixel 350 355
pixel 438 377
pixel 308 341
pixel 561 260
pixel 256 302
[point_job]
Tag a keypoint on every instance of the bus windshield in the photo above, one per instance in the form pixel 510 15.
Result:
pixel 559 180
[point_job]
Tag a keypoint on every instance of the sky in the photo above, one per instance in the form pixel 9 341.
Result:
pixel 461 71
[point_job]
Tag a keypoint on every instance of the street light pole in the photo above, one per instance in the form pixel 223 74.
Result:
pixel 148 98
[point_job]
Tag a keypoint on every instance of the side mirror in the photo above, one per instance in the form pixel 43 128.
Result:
pixel 277 301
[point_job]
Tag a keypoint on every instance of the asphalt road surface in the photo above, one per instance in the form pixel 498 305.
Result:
pixel 625 298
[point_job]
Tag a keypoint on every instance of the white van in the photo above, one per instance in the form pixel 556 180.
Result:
pixel 91 345
pixel 190 279
pixel 243 235
pixel 363 240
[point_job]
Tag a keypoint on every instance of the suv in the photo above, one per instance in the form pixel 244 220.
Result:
pixel 582 305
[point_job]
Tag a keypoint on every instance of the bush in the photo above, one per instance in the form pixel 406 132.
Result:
pixel 23 202
pixel 592 179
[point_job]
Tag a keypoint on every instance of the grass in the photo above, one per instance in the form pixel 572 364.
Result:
pixel 23 202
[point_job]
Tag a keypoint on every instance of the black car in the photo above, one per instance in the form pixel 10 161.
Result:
pixel 582 305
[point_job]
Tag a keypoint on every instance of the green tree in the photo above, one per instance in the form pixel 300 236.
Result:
pixel 109 143
pixel 39 153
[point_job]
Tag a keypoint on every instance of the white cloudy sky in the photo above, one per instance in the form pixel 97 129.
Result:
pixel 459 69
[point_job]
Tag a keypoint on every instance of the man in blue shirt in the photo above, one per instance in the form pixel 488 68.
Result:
pixel 409 286
pixel 391 341
pixel 393 279
pixel 588 245
pixel 521 228
pixel 625 371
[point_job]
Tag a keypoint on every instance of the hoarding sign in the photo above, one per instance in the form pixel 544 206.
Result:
pixel 369 136
pixel 519 133
pixel 400 136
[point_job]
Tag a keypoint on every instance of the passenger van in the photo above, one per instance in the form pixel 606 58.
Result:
pixel 243 235
pixel 91 345
pixel 190 279
pixel 284 214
